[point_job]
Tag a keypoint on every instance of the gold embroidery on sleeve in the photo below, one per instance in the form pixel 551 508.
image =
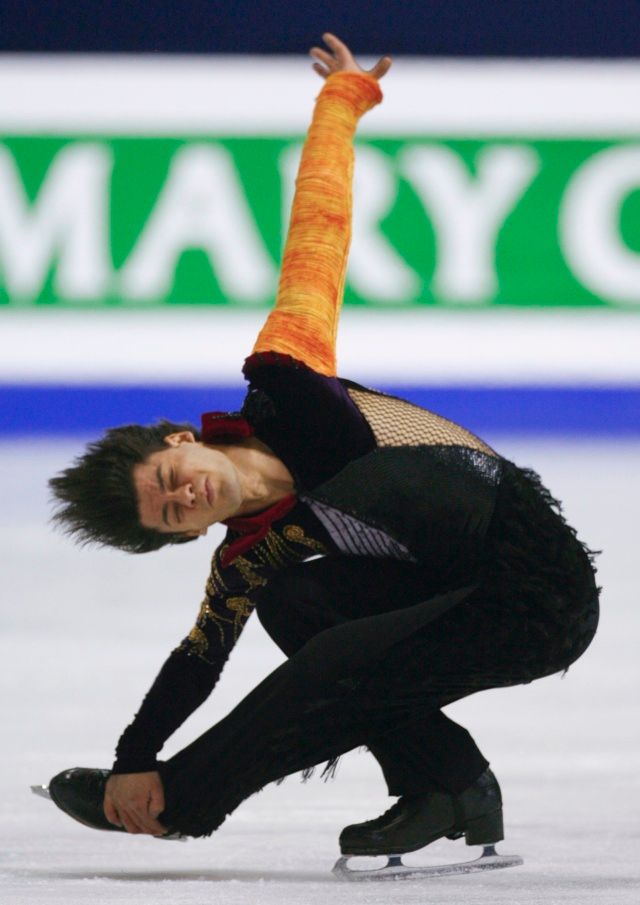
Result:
pixel 275 552
pixel 215 583
pixel 197 641
pixel 248 572
pixel 241 608
pixel 207 614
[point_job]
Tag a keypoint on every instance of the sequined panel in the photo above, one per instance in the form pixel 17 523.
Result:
pixel 396 422
pixel 354 537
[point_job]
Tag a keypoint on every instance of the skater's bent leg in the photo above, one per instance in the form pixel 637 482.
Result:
pixel 422 754
pixel 308 710
pixel 428 754
pixel 278 729
pixel 305 599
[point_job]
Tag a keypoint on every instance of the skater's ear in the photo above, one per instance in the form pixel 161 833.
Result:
pixel 179 437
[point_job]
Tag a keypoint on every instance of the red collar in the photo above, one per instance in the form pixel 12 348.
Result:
pixel 254 528
pixel 225 426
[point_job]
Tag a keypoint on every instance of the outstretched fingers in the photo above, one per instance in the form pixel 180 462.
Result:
pixel 340 50
pixel 340 59
pixel 381 68
pixel 323 56
pixel 324 63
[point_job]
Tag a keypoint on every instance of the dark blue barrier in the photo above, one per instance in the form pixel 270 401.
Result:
pixel 59 409
pixel 455 28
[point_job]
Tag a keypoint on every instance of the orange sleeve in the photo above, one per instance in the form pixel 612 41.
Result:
pixel 304 321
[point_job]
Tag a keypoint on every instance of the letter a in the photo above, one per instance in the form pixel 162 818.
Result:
pixel 201 206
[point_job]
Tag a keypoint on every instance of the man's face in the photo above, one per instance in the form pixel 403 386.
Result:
pixel 186 487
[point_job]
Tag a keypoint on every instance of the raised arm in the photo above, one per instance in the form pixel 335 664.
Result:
pixel 304 321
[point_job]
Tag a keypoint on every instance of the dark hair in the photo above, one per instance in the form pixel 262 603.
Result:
pixel 97 497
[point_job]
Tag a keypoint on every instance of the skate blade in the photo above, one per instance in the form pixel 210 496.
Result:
pixel 396 870
pixel 42 791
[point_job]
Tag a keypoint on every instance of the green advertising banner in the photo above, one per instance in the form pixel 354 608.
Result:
pixel 156 221
pixel 470 196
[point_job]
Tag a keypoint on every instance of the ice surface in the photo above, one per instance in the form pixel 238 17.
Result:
pixel 84 632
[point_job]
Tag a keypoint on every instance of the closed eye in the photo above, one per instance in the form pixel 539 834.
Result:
pixel 173 483
pixel 161 485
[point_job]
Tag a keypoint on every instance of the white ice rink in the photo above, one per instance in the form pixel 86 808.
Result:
pixel 84 633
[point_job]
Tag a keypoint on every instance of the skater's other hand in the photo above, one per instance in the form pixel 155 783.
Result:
pixel 134 801
pixel 340 59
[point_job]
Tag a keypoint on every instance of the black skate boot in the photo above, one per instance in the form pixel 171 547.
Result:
pixel 79 792
pixel 415 821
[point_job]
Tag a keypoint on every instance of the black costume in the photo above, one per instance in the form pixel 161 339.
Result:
pixel 444 570
pixel 371 660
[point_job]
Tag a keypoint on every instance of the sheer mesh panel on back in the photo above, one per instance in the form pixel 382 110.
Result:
pixel 395 422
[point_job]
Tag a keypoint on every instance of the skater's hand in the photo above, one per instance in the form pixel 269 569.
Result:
pixel 341 59
pixel 134 801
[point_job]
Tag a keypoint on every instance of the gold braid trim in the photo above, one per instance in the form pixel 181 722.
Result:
pixel 241 607
pixel 296 534
pixel 197 636
pixel 249 573
pixel 272 554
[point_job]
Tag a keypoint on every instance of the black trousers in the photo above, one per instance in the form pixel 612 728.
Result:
pixel 373 657
pixel 418 752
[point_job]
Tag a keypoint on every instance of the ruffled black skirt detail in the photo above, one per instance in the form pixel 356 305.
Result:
pixel 538 568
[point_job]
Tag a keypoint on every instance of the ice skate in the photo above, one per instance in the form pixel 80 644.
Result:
pixel 414 822
pixel 79 792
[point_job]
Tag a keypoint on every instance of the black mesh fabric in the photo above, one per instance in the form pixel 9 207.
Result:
pixel 396 422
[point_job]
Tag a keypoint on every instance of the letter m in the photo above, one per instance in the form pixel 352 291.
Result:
pixel 66 225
